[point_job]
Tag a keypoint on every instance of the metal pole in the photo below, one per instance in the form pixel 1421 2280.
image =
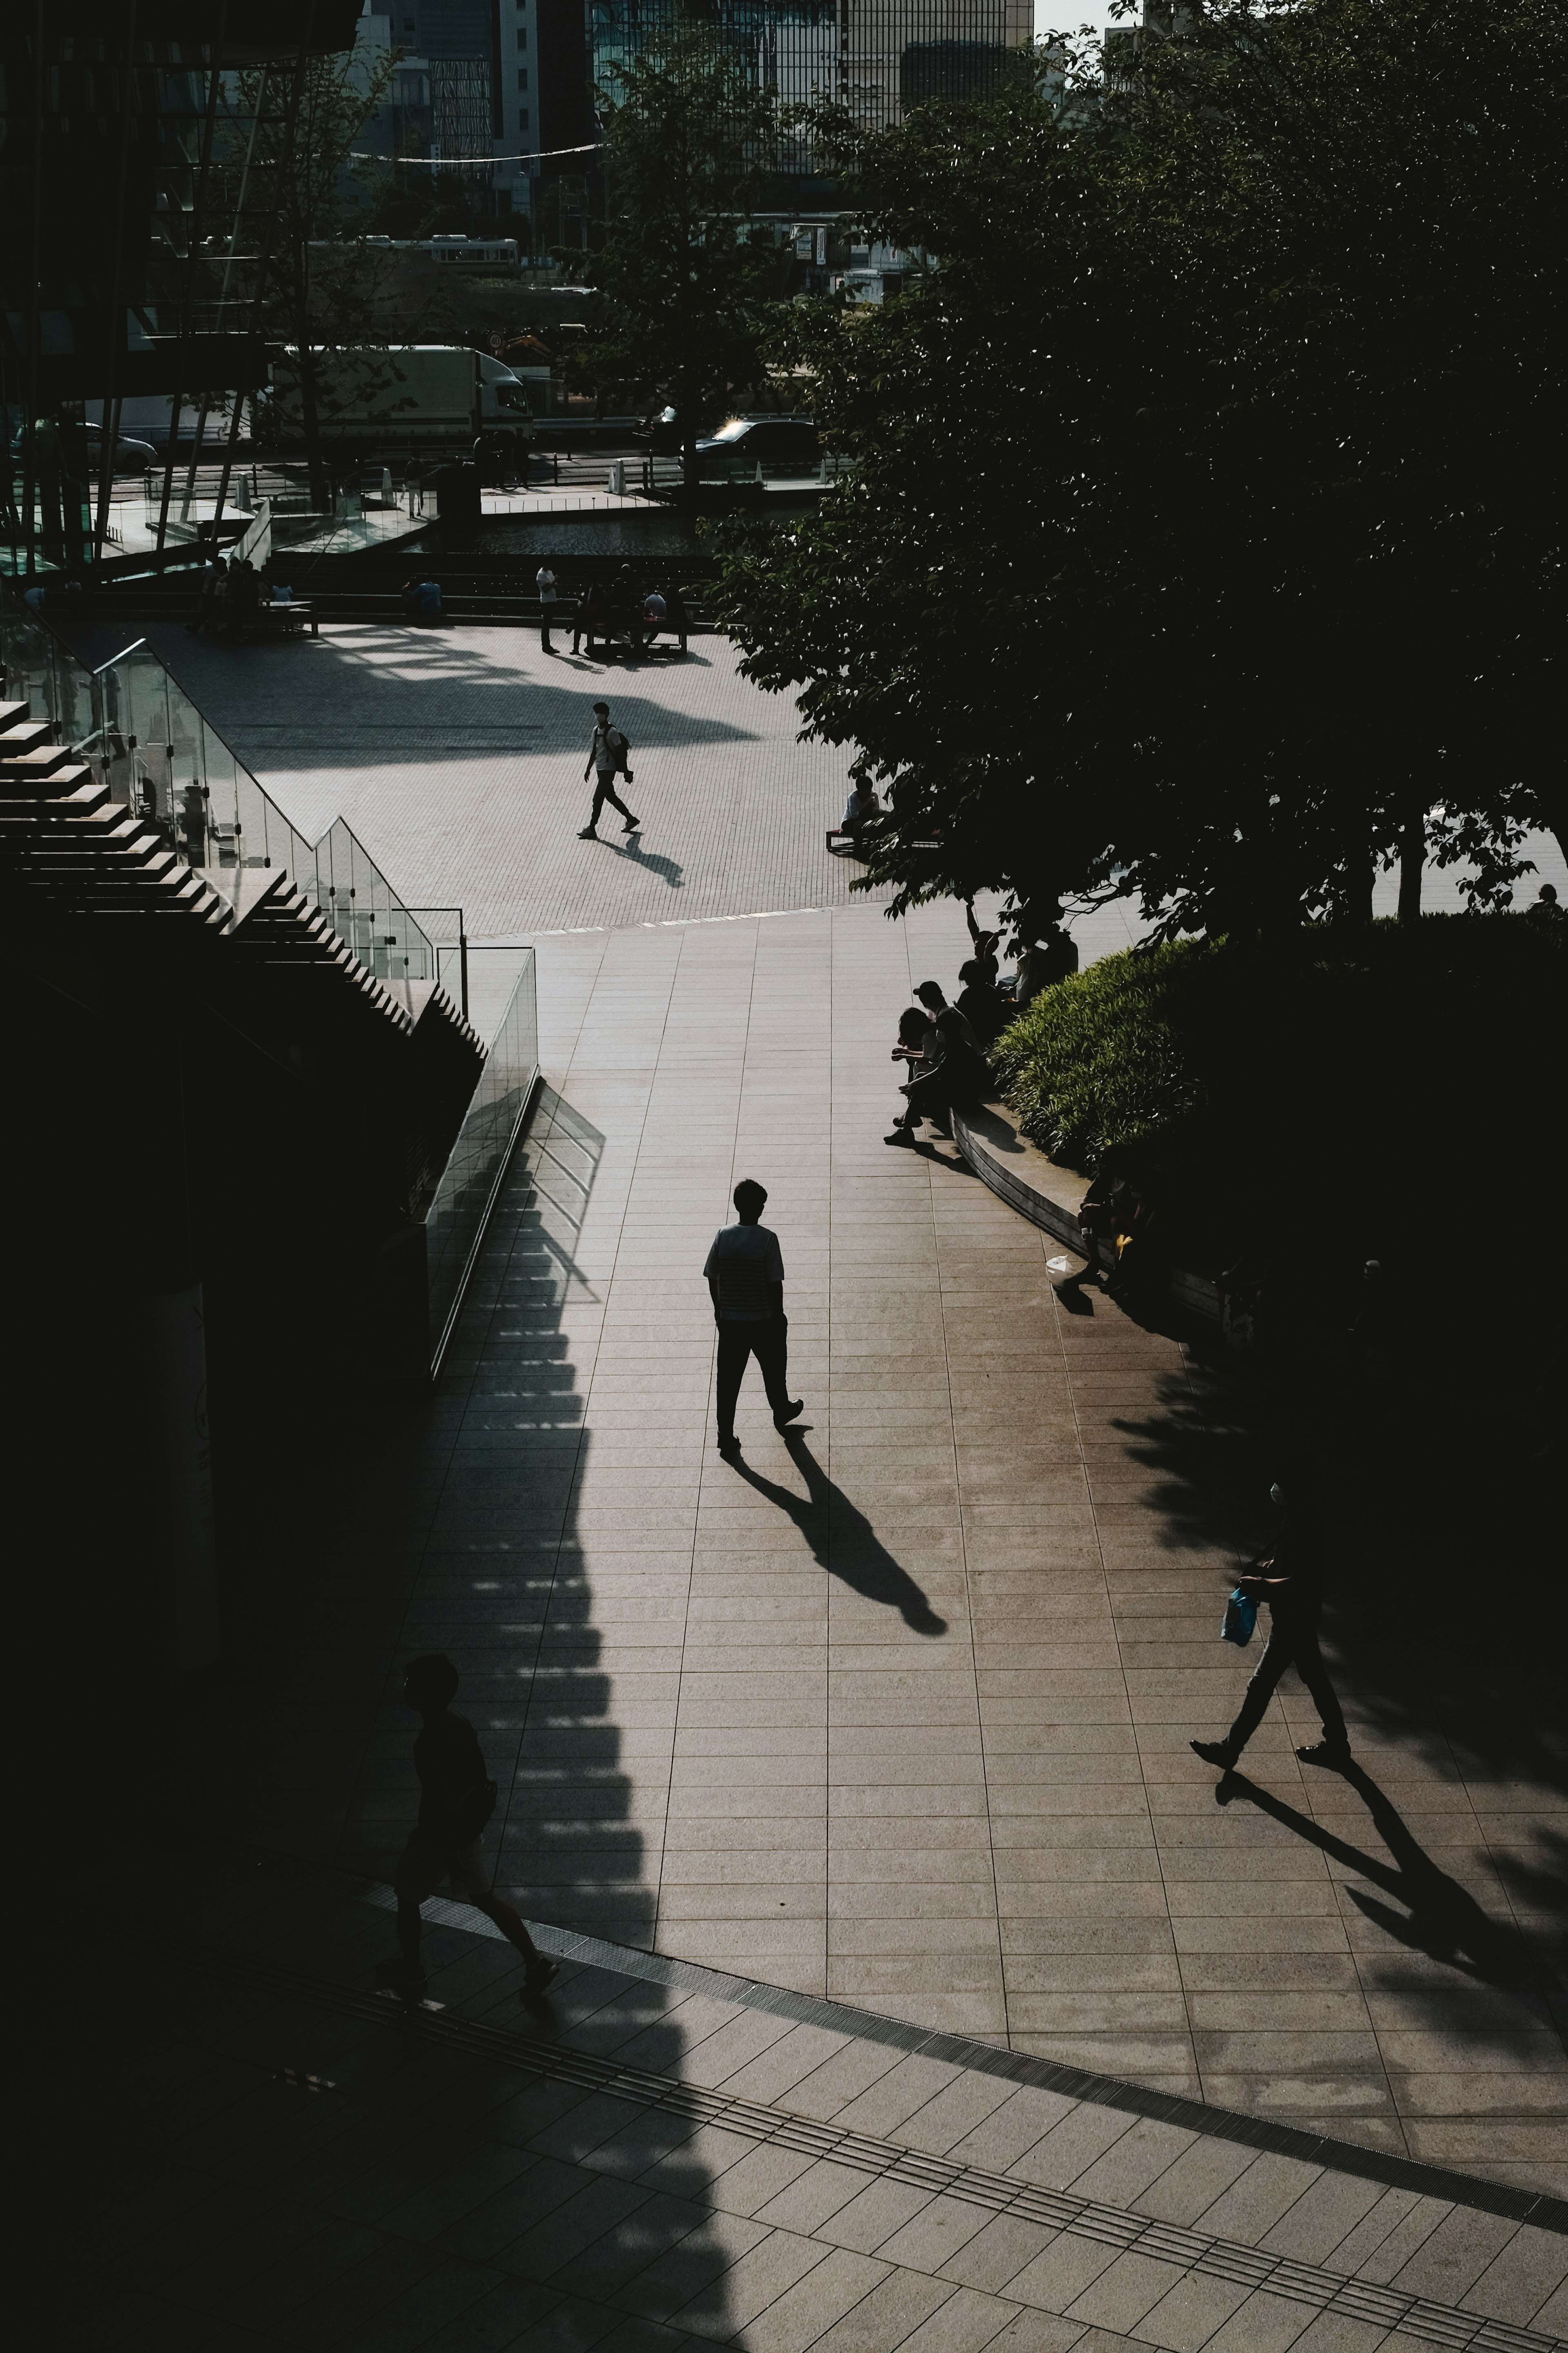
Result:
pixel 116 324
pixel 29 422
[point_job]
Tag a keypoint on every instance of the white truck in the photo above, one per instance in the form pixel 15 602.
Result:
pixel 416 397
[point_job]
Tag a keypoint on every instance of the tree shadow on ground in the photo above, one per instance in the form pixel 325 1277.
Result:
pixel 403 698
pixel 842 1539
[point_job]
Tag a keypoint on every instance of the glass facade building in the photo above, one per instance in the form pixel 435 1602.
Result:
pixel 875 58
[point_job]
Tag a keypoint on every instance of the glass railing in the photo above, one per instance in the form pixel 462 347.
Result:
pixel 442 927
pixel 142 735
pixel 459 1212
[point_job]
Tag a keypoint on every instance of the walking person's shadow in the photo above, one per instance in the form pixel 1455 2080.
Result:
pixel 1445 1920
pixel 842 1539
pixel 666 868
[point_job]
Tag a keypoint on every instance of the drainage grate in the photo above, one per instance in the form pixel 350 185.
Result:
pixel 1052 2209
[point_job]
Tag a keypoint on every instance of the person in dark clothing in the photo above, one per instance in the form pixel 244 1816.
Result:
pixel 1291 1582
pixel 982 1003
pixel 607 756
pixel 585 614
pixel 956 1073
pixel 745 1281
pixel 1103 1213
pixel 985 945
pixel 455 1800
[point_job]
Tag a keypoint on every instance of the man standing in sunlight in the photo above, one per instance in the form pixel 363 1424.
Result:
pixel 745 1281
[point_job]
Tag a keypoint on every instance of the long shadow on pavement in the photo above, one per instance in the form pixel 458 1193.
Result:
pixel 842 1539
pixel 1441 1918
pixel 429 2182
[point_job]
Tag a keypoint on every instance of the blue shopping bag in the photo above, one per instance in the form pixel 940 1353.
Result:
pixel 1240 1618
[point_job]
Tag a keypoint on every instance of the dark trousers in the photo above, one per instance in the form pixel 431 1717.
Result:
pixel 605 790
pixel 545 613
pixel 1294 1639
pixel 769 1342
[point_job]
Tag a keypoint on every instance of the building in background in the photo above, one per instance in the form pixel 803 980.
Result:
pixel 461 112
pixel 132 267
pixel 876 59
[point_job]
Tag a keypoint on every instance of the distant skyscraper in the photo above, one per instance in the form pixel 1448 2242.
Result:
pixel 878 58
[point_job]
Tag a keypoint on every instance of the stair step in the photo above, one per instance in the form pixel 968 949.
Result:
pixel 38 762
pixel 15 787
pixel 13 713
pixel 25 735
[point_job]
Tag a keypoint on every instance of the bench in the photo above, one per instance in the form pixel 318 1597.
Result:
pixel 291 620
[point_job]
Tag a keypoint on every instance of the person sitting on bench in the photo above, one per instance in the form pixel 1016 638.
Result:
pixel 858 811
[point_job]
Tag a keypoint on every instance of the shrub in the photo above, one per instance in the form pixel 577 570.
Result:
pixel 1358 1085
pixel 1109 1056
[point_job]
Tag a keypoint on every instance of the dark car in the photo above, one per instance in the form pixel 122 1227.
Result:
pixel 778 444
pixel 661 433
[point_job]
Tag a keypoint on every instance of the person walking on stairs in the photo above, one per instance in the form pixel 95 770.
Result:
pixel 1291 1582
pixel 607 756
pixel 745 1281
pixel 455 1800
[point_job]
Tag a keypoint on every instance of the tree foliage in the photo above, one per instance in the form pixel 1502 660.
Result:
pixel 1205 542
pixel 685 289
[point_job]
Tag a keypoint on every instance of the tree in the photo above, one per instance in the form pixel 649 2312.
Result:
pixel 686 292
pixel 1205 541
pixel 323 287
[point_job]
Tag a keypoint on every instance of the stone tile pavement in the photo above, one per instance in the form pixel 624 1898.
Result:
pixel 282 2158
pixel 896 1712
pixel 457 756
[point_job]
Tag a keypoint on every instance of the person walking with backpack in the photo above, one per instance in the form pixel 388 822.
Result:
pixel 607 756
pixel 455 1800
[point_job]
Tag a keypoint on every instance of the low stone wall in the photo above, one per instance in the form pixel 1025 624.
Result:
pixel 1050 1197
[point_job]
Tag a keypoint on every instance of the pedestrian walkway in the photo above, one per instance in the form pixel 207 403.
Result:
pixel 897 1712
pixel 456 754
pixel 654 2159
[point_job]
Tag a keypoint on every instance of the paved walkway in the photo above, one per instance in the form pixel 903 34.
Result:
pixel 654 2159
pixel 897 1712
pixel 457 756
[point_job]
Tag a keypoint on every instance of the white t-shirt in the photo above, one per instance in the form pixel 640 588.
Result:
pixel 544 581
pixel 855 807
pixel 744 1261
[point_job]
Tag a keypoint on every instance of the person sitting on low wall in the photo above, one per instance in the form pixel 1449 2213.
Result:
pixel 957 1073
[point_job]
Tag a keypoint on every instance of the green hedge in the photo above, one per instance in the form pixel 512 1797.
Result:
pixel 1112 1055
pixel 1338 1077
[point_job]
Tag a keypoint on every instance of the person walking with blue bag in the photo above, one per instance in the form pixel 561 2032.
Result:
pixel 1291 1582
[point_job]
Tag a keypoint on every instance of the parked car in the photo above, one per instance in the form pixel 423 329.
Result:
pixel 131 456
pixel 776 443
pixel 661 432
